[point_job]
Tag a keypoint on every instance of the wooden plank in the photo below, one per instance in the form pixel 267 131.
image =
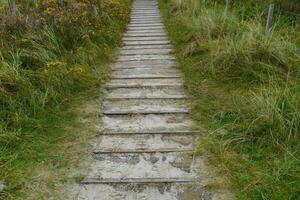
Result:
pixel 149 77
pixel 145 34
pixel 145 67
pixel 138 151
pixel 142 112
pixel 138 57
pixel 153 133
pixel 145 98
pixel 146 18
pixel 146 52
pixel 143 86
pixel 152 46
pixel 138 180
pixel 146 28
pixel 145 25
pixel 141 21
pixel 144 38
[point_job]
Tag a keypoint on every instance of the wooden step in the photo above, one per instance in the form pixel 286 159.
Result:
pixel 153 133
pixel 138 180
pixel 138 151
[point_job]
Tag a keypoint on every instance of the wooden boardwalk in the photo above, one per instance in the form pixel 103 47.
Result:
pixel 146 150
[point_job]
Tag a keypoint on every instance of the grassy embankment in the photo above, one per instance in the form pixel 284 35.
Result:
pixel 245 89
pixel 52 59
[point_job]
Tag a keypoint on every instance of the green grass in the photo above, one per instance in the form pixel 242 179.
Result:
pixel 48 69
pixel 246 94
pixel 37 165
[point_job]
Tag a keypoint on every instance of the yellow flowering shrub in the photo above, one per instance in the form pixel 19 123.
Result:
pixel 62 70
pixel 45 34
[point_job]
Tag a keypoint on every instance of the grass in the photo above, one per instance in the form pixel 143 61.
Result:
pixel 39 165
pixel 245 89
pixel 52 61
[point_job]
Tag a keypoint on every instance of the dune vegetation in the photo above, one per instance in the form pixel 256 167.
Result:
pixel 244 83
pixel 51 53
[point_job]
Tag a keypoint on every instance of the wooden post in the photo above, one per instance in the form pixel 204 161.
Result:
pixel 12 7
pixel 61 2
pixel 269 18
pixel 228 6
pixel 94 11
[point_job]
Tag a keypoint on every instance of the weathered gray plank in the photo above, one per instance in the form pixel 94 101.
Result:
pixel 153 133
pixel 146 52
pixel 162 150
pixel 139 180
pixel 139 43
pixel 145 57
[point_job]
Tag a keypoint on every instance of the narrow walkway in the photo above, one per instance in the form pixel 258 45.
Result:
pixel 145 152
